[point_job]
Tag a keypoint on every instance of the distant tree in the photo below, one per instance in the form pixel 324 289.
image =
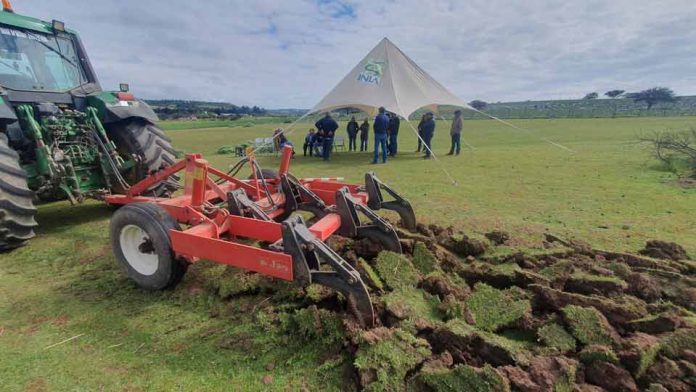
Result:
pixel 653 95
pixel 614 93
pixel 592 95
pixel 478 104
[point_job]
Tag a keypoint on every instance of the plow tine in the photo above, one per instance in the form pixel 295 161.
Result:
pixel 238 203
pixel 299 197
pixel 401 206
pixel 359 302
pixel 309 254
pixel 379 229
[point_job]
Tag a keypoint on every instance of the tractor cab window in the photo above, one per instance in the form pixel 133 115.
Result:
pixel 34 61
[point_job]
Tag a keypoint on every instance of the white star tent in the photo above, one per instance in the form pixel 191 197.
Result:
pixel 387 77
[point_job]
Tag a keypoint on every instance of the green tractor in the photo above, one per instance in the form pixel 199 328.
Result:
pixel 61 135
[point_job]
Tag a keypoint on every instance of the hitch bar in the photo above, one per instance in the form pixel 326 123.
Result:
pixel 375 201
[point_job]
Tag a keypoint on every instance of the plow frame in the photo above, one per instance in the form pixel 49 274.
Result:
pixel 259 210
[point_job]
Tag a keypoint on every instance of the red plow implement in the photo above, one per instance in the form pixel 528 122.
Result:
pixel 255 224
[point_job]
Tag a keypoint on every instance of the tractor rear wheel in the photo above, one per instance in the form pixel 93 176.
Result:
pixel 17 209
pixel 151 148
pixel 141 243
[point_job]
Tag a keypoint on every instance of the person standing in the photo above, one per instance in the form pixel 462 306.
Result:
pixel 394 124
pixel 364 130
pixel 352 130
pixel 420 133
pixel 456 133
pixel 380 127
pixel 328 126
pixel 308 143
pixel 428 133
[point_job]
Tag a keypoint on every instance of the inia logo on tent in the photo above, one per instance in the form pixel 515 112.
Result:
pixel 372 72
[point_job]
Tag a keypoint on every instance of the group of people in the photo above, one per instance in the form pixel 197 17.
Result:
pixel 353 130
pixel 320 142
pixel 386 130
pixel 385 127
pixel 426 131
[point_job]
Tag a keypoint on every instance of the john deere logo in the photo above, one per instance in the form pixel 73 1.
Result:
pixel 372 72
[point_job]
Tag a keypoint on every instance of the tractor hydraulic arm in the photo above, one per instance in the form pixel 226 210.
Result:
pixel 101 133
pixel 45 163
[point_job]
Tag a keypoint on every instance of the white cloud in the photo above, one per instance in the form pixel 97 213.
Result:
pixel 290 53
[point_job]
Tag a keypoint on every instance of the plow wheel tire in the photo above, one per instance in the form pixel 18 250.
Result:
pixel 17 209
pixel 141 243
pixel 153 148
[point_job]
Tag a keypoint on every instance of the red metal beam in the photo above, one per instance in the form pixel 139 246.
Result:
pixel 285 160
pixel 141 186
pixel 275 264
pixel 254 228
pixel 326 226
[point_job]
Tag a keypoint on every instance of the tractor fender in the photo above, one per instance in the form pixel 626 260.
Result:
pixel 112 110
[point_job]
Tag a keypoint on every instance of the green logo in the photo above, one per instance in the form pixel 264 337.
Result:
pixel 372 72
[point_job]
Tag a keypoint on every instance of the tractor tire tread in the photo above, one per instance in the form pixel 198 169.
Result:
pixel 150 143
pixel 157 131
pixel 17 209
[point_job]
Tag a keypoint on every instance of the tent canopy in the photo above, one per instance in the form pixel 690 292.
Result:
pixel 387 77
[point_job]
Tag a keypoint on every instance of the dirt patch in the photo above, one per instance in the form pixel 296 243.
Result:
pixel 453 314
pixel 498 237
pixel 37 385
pixel 610 377
pixel 664 250
pixel 241 342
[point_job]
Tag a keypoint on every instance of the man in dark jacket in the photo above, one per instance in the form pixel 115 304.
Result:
pixel 456 133
pixel 380 127
pixel 352 130
pixel 420 132
pixel 394 124
pixel 364 130
pixel 428 129
pixel 328 126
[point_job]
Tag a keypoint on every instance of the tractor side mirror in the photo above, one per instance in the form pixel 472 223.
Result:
pixel 123 87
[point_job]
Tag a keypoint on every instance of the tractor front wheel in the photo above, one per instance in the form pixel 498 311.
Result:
pixel 141 243
pixel 17 209
pixel 152 150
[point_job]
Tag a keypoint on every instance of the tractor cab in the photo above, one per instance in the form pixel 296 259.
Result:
pixel 42 61
pixel 32 61
pixel 61 135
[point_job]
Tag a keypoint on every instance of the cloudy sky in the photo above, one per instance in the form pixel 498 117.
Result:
pixel 284 53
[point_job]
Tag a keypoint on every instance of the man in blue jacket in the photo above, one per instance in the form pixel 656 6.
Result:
pixel 428 129
pixel 394 123
pixel 380 127
pixel 328 126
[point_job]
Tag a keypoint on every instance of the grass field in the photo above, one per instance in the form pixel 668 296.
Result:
pixel 66 284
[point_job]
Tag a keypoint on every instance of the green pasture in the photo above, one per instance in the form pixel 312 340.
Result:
pixel 65 283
